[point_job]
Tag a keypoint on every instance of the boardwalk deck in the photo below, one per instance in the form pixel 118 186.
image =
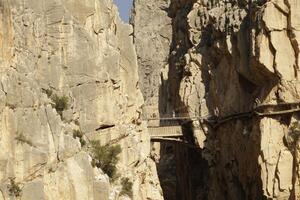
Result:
pixel 169 127
pixel 165 131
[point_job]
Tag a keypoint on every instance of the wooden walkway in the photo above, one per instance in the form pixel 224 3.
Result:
pixel 169 128
pixel 165 131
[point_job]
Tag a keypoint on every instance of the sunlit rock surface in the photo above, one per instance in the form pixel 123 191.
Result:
pixel 81 50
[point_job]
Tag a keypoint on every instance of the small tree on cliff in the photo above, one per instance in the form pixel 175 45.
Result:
pixel 105 158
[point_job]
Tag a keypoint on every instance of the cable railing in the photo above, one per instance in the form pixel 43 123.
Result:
pixel 174 134
pixel 261 110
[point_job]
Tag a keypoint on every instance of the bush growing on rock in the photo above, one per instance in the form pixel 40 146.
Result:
pixel 13 188
pixel 79 134
pixel 60 103
pixel 106 158
pixel 126 187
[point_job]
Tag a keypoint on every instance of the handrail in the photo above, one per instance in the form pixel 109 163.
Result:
pixel 175 140
pixel 278 112
pixel 215 121
pixel 173 118
pixel 254 112
pixel 278 104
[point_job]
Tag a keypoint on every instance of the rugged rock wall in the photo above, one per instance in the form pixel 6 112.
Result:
pixel 225 58
pixel 152 37
pixel 81 50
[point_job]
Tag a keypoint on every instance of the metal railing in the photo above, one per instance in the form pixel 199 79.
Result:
pixel 262 110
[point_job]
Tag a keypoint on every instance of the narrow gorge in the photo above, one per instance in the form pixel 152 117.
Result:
pixel 81 93
pixel 234 65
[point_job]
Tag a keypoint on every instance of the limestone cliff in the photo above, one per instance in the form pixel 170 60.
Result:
pixel 82 51
pixel 225 58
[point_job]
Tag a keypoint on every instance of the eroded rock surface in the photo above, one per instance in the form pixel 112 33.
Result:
pixel 83 51
pixel 227 57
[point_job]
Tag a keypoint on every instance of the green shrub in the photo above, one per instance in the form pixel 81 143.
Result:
pixel 79 134
pixel 60 103
pixel 126 187
pixel 106 158
pixel 13 188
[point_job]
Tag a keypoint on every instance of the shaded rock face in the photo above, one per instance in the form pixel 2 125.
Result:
pixel 225 57
pixel 80 50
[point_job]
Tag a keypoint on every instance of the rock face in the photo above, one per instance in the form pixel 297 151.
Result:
pixel 152 39
pixel 79 50
pixel 70 65
pixel 224 58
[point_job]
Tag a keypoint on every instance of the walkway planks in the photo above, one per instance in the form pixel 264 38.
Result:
pixel 165 131
pixel 169 128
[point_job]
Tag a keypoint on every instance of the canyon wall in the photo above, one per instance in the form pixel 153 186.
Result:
pixel 225 58
pixel 81 53
pixel 194 58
